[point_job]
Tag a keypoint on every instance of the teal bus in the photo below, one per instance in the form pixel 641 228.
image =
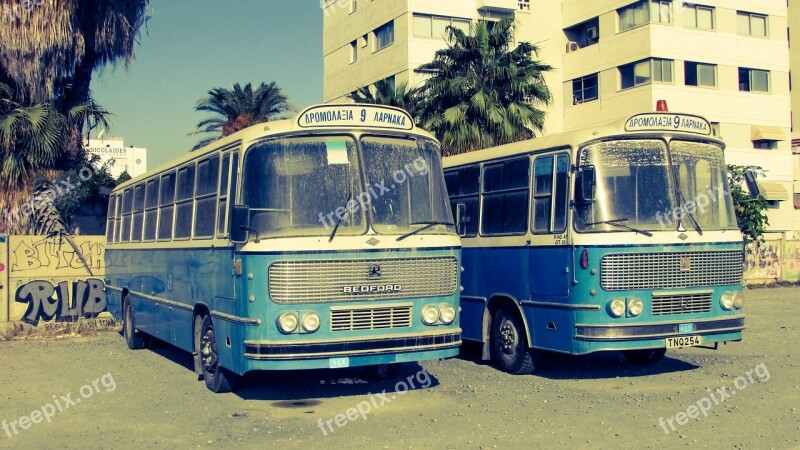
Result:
pixel 322 241
pixel 614 237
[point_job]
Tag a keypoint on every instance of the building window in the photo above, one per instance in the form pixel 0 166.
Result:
pixel 584 89
pixel 582 35
pixel 661 11
pixel 384 36
pixel 765 144
pixel 753 80
pixel 353 52
pixel 715 129
pixel 364 41
pixel 699 74
pixel 436 26
pixel 645 72
pixel 751 24
pixel 524 5
pixel 698 16
pixel 633 15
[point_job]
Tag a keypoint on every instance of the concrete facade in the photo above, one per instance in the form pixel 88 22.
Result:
pixel 119 158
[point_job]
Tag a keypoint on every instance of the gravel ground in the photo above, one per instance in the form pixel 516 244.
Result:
pixel 111 397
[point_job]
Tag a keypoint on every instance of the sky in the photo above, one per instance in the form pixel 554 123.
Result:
pixel 189 47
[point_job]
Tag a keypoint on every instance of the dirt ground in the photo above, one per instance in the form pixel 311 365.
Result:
pixel 744 395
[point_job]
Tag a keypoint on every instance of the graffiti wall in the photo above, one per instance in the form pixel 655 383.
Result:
pixel 52 280
pixel 763 261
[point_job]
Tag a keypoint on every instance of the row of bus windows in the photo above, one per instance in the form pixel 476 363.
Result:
pixel 504 197
pixel 189 202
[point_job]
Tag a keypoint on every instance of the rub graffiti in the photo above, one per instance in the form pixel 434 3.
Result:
pixel 47 302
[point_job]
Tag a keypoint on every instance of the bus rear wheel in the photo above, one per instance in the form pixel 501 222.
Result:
pixel 133 338
pixel 646 356
pixel 509 343
pixel 216 377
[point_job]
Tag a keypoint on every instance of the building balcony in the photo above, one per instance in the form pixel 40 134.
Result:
pixel 504 6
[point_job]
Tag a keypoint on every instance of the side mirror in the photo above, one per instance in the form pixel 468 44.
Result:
pixel 587 181
pixel 240 224
pixel 752 185
pixel 461 227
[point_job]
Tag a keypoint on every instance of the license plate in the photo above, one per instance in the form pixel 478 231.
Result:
pixel 684 341
pixel 339 363
pixel 686 328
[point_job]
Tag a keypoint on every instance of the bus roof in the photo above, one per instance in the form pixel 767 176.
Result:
pixel 645 124
pixel 317 118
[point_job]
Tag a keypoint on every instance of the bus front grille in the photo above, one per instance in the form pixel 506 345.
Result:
pixel 687 303
pixel 349 319
pixel 362 280
pixel 670 270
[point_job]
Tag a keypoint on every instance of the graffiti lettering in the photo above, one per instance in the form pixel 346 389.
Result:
pixel 48 253
pixel 88 299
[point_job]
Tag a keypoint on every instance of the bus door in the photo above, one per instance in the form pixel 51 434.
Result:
pixel 549 252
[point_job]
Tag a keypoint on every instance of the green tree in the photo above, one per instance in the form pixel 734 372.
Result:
pixel 751 211
pixel 482 92
pixel 386 93
pixel 238 108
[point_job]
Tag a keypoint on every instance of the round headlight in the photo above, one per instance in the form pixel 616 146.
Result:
pixel 430 314
pixel 635 307
pixel 616 307
pixel 738 300
pixel 287 322
pixel 310 322
pixel 726 301
pixel 447 314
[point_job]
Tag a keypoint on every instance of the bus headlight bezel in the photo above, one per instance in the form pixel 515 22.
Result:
pixel 726 301
pixel 429 314
pixel 738 300
pixel 288 322
pixel 616 307
pixel 447 313
pixel 635 306
pixel 310 322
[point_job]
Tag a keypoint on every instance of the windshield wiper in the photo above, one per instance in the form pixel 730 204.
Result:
pixel 616 223
pixel 339 219
pixel 427 225
pixel 683 207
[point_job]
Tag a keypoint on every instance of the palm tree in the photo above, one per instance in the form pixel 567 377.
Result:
pixel 386 93
pixel 482 93
pixel 238 108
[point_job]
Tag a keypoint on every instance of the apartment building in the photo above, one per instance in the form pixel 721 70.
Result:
pixel 727 60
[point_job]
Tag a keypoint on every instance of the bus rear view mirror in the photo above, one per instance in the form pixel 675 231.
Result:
pixel 240 224
pixel 461 227
pixel 587 180
pixel 752 185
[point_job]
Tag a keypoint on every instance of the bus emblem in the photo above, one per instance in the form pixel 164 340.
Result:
pixel 374 271
pixel 686 264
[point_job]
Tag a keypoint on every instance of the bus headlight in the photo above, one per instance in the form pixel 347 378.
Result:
pixel 635 307
pixel 310 322
pixel 738 300
pixel 616 307
pixel 726 301
pixel 447 314
pixel 430 314
pixel 287 322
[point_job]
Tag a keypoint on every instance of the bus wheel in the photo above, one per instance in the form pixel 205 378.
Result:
pixel 217 378
pixel 646 356
pixel 383 371
pixel 133 338
pixel 509 344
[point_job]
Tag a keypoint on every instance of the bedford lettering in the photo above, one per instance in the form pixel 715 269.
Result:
pixel 384 288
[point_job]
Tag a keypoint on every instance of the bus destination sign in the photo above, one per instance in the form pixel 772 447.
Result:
pixel 355 116
pixel 668 122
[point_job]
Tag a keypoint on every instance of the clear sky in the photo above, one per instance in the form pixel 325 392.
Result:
pixel 191 46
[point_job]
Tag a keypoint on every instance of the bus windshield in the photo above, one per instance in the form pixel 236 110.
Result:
pixel 634 187
pixel 310 186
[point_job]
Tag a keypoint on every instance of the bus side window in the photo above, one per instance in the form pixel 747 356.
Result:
pixel 207 188
pixel 463 186
pixel 222 203
pixel 118 220
pixel 166 210
pixel 151 210
pixel 138 213
pixel 232 189
pixel 505 197
pixel 184 203
pixel 127 208
pixel 112 211
pixel 550 189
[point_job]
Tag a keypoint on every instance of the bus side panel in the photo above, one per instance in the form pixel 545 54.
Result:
pixel 472 310
pixel 550 272
pixel 496 271
pixel 550 328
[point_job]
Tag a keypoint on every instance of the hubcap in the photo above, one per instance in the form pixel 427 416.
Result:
pixel 208 351
pixel 508 337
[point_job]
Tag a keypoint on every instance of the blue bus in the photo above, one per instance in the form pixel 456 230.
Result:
pixel 615 237
pixel 322 241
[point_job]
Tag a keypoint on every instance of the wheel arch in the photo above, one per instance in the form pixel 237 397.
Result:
pixel 496 302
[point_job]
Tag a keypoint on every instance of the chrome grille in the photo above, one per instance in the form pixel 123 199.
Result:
pixel 687 303
pixel 348 319
pixel 632 271
pixel 325 281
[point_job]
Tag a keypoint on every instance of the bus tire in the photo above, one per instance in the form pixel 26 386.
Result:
pixel 383 371
pixel 510 344
pixel 133 338
pixel 217 378
pixel 645 356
